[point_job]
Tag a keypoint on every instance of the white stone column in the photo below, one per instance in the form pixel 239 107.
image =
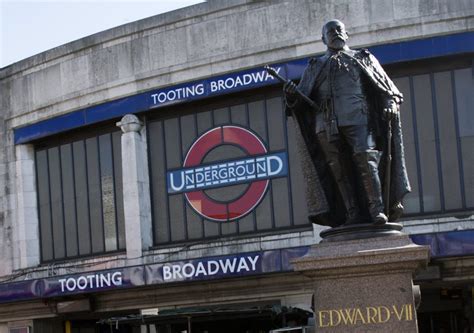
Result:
pixel 136 186
pixel 27 228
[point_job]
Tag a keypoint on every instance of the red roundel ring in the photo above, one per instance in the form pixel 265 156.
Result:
pixel 233 210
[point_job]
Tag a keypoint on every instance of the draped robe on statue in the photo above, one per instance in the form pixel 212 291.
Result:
pixel 324 205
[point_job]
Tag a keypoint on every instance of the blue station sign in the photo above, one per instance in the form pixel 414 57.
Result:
pixel 233 82
pixel 444 244
pixel 209 268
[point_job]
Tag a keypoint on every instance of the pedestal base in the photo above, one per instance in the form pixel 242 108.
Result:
pixel 364 285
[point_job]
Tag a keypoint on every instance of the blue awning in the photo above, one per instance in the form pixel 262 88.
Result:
pixel 447 244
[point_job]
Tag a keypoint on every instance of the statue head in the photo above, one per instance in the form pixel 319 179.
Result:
pixel 334 35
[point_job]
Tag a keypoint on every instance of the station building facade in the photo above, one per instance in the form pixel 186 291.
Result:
pixel 150 179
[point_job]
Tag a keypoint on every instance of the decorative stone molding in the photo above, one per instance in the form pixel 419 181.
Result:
pixel 130 123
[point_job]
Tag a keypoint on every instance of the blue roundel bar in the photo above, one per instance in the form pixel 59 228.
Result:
pixel 233 82
pixel 228 173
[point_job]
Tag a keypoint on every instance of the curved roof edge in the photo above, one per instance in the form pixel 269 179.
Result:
pixel 120 31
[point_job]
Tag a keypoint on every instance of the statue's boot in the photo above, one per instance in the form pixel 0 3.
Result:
pixel 345 190
pixel 367 166
pixel 396 211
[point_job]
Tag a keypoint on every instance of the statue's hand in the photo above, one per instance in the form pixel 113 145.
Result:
pixel 290 88
pixel 391 109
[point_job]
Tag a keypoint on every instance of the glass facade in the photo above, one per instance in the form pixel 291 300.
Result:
pixel 438 128
pixel 80 197
pixel 79 181
pixel 171 137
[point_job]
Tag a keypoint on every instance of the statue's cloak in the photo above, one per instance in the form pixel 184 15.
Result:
pixel 324 205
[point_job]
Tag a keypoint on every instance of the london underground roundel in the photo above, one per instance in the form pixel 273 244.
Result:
pixel 255 169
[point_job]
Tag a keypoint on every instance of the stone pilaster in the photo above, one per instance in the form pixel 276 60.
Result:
pixel 27 227
pixel 136 186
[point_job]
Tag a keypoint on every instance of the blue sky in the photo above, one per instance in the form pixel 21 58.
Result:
pixel 28 27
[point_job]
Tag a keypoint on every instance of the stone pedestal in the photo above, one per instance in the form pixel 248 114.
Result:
pixel 364 285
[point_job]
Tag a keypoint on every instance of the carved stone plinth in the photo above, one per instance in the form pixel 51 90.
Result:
pixel 364 285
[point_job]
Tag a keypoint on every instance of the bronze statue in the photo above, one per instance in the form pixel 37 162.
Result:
pixel 351 136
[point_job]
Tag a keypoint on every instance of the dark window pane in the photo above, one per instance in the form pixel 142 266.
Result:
pixel 464 85
pixel 281 202
pixel 157 158
pixel 174 159
pixel 448 141
pixel 117 154
pixel 77 185
pixel 221 116
pixel 56 203
pixel 195 224
pixel 300 208
pixel 177 218
pixel 238 115
pixel 172 140
pixel 408 119
pixel 108 192
pixel 44 205
pixel 263 214
pixel 70 222
pixel 427 144
pixel 275 116
pixel 465 100
pixel 467 144
pixel 95 200
pixel 257 119
pixel 82 197
pixel 204 122
pixel 277 141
